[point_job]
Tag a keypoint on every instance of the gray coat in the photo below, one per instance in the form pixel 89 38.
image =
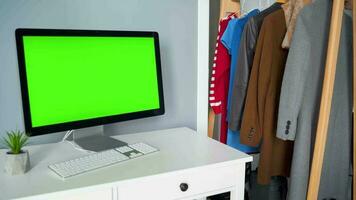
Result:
pixel 300 101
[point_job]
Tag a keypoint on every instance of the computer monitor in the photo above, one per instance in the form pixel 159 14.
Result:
pixel 73 79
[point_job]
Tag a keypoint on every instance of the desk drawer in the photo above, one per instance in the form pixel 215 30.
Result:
pixel 182 184
pixel 82 194
pixel 90 195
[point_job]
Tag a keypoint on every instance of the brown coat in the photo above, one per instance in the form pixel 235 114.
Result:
pixel 259 121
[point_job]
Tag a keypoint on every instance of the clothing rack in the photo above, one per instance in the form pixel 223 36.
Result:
pixel 229 6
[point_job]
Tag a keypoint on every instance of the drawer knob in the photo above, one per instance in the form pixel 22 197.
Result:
pixel 184 187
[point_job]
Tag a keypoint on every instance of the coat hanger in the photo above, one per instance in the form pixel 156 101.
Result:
pixel 281 1
pixel 228 14
pixel 247 6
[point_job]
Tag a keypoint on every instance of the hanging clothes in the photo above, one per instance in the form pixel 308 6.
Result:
pixel 300 103
pixel 244 64
pixel 231 40
pixel 219 83
pixel 259 121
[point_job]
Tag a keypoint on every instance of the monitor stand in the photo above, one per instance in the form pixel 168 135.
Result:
pixel 93 139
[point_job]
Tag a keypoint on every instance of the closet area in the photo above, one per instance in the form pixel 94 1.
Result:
pixel 281 88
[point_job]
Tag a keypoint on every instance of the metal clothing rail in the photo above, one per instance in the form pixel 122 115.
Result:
pixel 327 90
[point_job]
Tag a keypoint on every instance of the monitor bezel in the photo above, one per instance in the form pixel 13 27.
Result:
pixel 47 129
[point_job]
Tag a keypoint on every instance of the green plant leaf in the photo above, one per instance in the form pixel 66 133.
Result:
pixel 15 141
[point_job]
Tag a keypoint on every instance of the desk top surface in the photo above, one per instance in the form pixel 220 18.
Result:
pixel 180 149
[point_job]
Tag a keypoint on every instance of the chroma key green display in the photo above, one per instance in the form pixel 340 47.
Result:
pixel 73 78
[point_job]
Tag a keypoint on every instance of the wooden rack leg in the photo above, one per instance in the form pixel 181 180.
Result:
pixel 326 99
pixel 354 94
pixel 211 123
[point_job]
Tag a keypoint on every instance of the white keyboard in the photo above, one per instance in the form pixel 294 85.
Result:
pixel 101 159
pixel 143 148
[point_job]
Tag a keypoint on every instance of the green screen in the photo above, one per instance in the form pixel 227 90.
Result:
pixel 76 78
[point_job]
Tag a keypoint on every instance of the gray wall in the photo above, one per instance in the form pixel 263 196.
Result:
pixel 176 21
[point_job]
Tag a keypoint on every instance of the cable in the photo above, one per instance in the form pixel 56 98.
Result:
pixel 67 135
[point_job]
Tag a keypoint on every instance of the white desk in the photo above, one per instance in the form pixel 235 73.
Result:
pixel 207 166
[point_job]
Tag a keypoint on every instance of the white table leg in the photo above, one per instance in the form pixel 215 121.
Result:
pixel 237 194
pixel 239 191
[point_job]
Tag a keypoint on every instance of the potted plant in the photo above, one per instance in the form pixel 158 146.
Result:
pixel 16 159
